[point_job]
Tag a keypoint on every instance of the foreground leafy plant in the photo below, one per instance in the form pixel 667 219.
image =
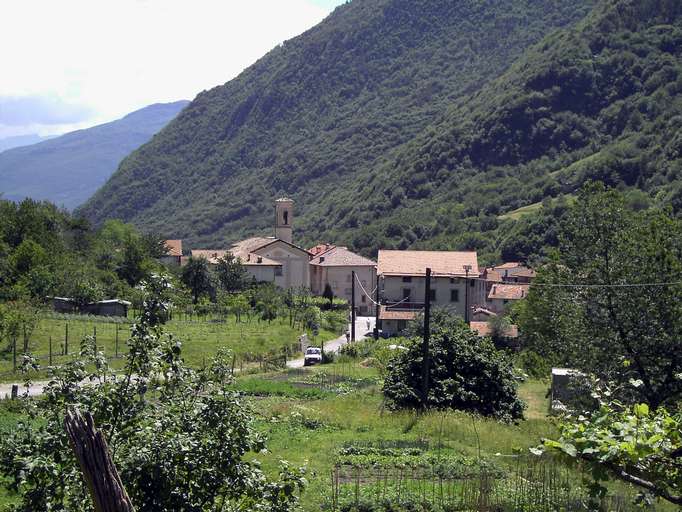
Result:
pixel 631 444
pixel 177 436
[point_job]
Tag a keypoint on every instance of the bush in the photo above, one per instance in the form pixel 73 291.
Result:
pixel 534 364
pixel 465 372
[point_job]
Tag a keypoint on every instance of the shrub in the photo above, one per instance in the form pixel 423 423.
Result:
pixel 534 364
pixel 465 372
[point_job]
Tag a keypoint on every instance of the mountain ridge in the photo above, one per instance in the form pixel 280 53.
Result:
pixel 68 169
pixel 303 119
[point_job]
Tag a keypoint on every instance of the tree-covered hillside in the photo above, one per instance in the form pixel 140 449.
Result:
pixel 600 101
pixel 321 118
pixel 67 170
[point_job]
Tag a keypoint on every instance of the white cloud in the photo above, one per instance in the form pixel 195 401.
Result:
pixel 116 56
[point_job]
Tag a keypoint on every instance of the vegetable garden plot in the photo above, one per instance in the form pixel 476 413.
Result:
pixel 378 479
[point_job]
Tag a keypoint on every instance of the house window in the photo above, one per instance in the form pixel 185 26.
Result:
pixel 402 324
pixel 454 295
pixel 472 283
pixel 432 294
pixel 407 279
pixel 286 217
pixel 363 299
pixel 452 280
pixel 406 293
pixel 278 271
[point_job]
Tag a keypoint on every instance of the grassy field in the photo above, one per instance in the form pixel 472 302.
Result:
pixel 311 431
pixel 309 414
pixel 200 339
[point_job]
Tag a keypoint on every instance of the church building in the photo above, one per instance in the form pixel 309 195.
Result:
pixel 276 259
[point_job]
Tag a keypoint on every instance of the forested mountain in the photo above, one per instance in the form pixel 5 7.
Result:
pixel 319 111
pixel 68 169
pixel 426 123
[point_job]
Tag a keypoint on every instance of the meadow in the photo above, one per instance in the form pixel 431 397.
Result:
pixel 251 341
pixel 349 415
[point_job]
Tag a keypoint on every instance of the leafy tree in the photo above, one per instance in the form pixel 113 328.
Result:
pixel 177 436
pixel 238 305
pixel 628 443
pixel 466 372
pixel 16 320
pixel 197 277
pixel 622 334
pixel 267 302
pixel 499 327
pixel 132 266
pixel 232 275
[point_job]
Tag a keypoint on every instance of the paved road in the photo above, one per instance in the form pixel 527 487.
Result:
pixel 361 331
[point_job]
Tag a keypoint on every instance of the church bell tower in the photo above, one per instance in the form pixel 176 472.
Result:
pixel 284 218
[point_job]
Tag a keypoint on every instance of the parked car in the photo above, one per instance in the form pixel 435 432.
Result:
pixel 313 355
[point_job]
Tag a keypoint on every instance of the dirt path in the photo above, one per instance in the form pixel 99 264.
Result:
pixel 361 331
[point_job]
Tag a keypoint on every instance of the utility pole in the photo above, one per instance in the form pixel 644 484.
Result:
pixel 427 332
pixel 352 306
pixel 376 310
pixel 467 269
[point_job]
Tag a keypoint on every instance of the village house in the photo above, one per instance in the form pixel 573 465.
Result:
pixel 502 295
pixel 401 276
pixel 515 272
pixel 334 266
pixel 173 255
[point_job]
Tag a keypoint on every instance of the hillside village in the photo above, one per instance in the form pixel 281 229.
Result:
pixel 421 256
pixel 392 289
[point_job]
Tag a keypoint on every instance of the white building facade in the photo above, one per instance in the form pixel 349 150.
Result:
pixel 335 267
pixel 402 284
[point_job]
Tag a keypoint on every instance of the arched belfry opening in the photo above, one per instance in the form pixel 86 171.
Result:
pixel 284 219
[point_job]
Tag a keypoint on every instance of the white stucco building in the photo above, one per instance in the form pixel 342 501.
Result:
pixel 401 277
pixel 335 266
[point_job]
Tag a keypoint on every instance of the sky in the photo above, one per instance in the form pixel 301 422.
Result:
pixel 71 64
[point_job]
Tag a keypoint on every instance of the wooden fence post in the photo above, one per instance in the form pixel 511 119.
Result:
pixel 99 471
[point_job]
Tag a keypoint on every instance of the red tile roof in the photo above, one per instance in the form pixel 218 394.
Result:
pixel 174 247
pixel 485 329
pixel 341 257
pixel 248 259
pixel 212 255
pixel 320 248
pixel 490 274
pixel 511 264
pixel 390 314
pixel 415 263
pixel 508 291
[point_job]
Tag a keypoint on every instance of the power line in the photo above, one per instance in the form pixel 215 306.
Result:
pixel 367 294
pixel 566 285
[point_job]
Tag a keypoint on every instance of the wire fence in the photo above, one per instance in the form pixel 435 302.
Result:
pixel 533 483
